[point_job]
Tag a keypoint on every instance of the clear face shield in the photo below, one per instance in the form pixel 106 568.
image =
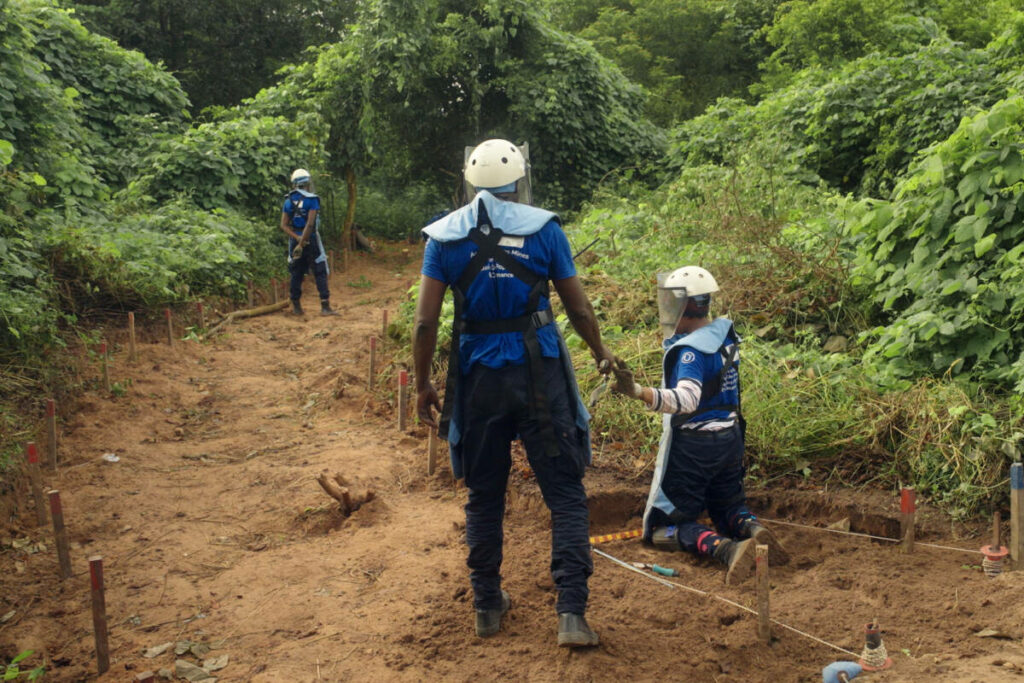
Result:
pixel 524 185
pixel 671 305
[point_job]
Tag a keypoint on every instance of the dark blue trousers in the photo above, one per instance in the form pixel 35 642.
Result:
pixel 496 409
pixel 307 262
pixel 705 472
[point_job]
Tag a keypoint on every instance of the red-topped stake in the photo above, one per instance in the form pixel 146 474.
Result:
pixel 35 481
pixel 908 508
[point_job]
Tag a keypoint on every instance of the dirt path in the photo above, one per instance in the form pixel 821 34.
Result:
pixel 214 531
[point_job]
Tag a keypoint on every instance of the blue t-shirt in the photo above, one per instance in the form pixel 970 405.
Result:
pixel 298 206
pixel 496 294
pixel 704 368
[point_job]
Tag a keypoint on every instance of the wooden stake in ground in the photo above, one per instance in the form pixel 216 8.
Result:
pixel 170 327
pixel 384 324
pixel 99 613
pixel 51 430
pixel 764 627
pixel 907 510
pixel 431 451
pixel 373 362
pixel 131 337
pixel 60 535
pixel 104 374
pixel 1017 515
pixel 251 293
pixel 403 397
pixel 202 315
pixel 273 289
pixel 35 481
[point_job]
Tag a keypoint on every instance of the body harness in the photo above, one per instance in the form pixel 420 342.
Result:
pixel 711 389
pixel 487 238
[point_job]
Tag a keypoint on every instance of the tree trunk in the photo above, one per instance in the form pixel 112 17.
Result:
pixel 350 215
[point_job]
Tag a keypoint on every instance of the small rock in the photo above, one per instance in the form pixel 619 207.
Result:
pixel 158 650
pixel 836 344
pixel 165 673
pixel 216 663
pixel 200 650
pixel 182 646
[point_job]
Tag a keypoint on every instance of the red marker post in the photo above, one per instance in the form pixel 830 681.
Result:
pixel 35 481
pixel 99 613
pixel 403 394
pixel 908 508
pixel 51 430
pixel 60 534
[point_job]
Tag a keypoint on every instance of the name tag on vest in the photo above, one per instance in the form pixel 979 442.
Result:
pixel 510 241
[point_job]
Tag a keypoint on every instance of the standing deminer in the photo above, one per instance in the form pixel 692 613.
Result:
pixel 510 376
pixel 700 460
pixel 300 218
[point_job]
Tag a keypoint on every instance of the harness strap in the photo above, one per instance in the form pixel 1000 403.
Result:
pixel 487 239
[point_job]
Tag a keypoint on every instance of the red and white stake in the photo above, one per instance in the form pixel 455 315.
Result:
pixel 908 508
pixel 35 481
pixel 51 430
pixel 403 394
pixel 60 534
pixel 99 613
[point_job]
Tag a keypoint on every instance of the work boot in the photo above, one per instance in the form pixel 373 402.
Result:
pixel 488 621
pixel 325 308
pixel 777 555
pixel 296 307
pixel 738 557
pixel 574 632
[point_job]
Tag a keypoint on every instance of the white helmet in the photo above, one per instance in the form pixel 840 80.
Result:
pixel 675 289
pixel 300 176
pixel 494 163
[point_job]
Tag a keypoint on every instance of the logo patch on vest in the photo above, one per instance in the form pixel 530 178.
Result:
pixel 511 241
pixel 687 357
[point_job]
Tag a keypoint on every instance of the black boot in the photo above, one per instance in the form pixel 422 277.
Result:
pixel 574 632
pixel 738 557
pixel 777 555
pixel 488 621
pixel 325 307
pixel 296 307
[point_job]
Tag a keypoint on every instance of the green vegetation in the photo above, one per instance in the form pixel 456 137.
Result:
pixel 850 170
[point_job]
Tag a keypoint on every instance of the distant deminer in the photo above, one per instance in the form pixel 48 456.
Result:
pixel 700 463
pixel 300 218
pixel 509 375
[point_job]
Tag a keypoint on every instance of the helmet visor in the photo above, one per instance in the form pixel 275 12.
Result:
pixel 671 305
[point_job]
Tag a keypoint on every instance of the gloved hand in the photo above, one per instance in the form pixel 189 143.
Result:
pixel 624 382
pixel 297 251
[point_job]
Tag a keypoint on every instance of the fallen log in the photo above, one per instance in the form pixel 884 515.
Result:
pixel 246 313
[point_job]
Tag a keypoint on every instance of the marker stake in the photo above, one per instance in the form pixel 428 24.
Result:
pixel 35 481
pixel 384 324
pixel 403 390
pixel 131 337
pixel 104 374
pixel 431 451
pixel 170 327
pixel 60 534
pixel 373 362
pixel 1017 515
pixel 764 627
pixel 908 508
pixel 99 613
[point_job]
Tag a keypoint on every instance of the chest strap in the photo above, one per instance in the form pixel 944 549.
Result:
pixel 487 239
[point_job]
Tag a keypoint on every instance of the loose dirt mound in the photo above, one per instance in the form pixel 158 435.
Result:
pixel 215 533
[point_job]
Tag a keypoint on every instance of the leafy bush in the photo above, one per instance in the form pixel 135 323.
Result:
pixel 945 258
